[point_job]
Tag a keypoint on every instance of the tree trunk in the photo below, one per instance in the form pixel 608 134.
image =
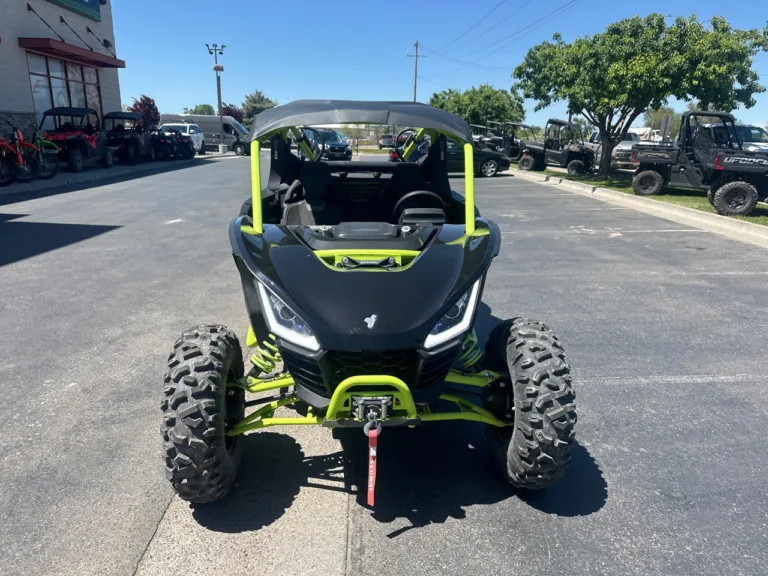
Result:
pixel 605 161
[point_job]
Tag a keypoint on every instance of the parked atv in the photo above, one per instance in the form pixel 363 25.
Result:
pixel 705 159
pixel 80 137
pixel 328 273
pixel 563 146
pixel 128 132
pixel 170 144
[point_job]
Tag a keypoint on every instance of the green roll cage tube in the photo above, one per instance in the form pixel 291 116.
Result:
pixel 338 413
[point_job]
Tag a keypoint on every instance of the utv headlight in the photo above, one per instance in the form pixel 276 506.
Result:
pixel 284 322
pixel 457 320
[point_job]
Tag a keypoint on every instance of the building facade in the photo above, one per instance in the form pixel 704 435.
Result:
pixel 56 53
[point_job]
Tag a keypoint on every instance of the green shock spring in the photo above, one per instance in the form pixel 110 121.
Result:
pixel 471 353
pixel 267 356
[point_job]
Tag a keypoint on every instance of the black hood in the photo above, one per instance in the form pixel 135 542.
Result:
pixel 335 303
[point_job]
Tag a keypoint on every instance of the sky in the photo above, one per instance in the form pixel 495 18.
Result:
pixel 358 49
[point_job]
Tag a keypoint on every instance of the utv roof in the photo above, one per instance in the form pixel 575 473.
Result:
pixel 123 116
pixel 69 111
pixel 725 115
pixel 564 123
pixel 318 112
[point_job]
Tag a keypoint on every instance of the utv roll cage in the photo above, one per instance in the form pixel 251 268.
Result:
pixel 285 123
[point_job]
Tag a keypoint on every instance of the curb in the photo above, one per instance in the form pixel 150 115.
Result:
pixel 96 176
pixel 730 227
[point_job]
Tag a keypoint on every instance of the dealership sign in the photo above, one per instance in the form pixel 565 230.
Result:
pixel 89 8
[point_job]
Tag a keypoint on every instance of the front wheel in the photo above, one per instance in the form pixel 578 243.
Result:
pixel 131 155
pixel 50 167
pixel 108 160
pixel 533 452
pixel 647 183
pixel 576 168
pixel 735 199
pixel 489 168
pixel 201 402
pixel 29 170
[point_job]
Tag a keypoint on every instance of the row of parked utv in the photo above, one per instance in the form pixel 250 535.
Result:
pixel 77 137
pixel 707 155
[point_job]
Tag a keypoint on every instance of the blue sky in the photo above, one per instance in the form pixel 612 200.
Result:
pixel 356 49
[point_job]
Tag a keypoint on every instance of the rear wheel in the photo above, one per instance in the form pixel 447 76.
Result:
pixel 165 153
pixel 75 160
pixel 576 168
pixel 201 403
pixel 534 451
pixel 526 163
pixel 735 199
pixel 647 183
pixel 151 155
pixel 202 148
pixel 240 149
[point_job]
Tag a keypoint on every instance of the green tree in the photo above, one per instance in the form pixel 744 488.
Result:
pixel 652 119
pixel 638 63
pixel 254 103
pixel 479 105
pixel 206 109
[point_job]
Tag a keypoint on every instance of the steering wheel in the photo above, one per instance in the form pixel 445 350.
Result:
pixel 319 137
pixel 410 201
pixel 408 140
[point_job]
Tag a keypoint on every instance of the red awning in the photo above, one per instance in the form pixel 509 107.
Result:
pixel 52 47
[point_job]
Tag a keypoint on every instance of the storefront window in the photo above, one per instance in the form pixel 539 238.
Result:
pixel 55 82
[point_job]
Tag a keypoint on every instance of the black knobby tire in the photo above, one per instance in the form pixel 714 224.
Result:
pixel 526 163
pixel 201 152
pixel 131 155
pixel 201 462
pixel 647 183
pixel 30 171
pixel 7 171
pixel 576 168
pixel 74 160
pixel 735 199
pixel 50 167
pixel 151 155
pixel 534 452
pixel 165 154
pixel 108 160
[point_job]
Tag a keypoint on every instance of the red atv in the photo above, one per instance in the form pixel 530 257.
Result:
pixel 79 135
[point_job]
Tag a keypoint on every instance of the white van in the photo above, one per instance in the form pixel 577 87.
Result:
pixel 235 134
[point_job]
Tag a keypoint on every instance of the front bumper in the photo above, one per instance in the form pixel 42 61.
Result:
pixel 316 375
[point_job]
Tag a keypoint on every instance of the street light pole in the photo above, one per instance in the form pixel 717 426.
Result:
pixel 215 49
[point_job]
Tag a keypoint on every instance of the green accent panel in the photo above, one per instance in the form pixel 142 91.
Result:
pixel 355 386
pixel 89 8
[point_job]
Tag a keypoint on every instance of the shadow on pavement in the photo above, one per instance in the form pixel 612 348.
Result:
pixel 273 471
pixel 22 240
pixel 104 178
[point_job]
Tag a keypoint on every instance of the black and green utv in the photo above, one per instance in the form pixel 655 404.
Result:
pixel 362 281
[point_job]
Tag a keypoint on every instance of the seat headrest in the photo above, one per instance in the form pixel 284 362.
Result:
pixel 316 178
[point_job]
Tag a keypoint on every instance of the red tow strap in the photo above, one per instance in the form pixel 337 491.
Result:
pixel 372 440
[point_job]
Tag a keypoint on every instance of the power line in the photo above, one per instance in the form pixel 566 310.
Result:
pixel 506 41
pixel 453 60
pixel 499 23
pixel 529 27
pixel 460 36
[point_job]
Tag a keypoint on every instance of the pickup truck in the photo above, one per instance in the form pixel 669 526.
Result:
pixel 621 157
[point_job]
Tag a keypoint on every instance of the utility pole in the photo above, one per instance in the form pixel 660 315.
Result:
pixel 415 68
pixel 215 49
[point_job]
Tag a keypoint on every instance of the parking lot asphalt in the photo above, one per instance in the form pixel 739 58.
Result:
pixel 664 326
